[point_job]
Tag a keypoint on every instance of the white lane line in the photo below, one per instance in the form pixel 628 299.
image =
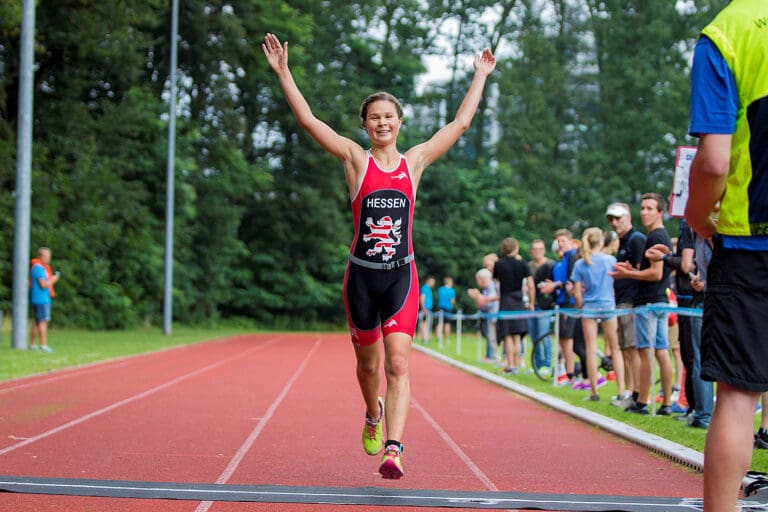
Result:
pixel 238 458
pixel 129 400
pixel 101 366
pixel 455 447
pixel 108 364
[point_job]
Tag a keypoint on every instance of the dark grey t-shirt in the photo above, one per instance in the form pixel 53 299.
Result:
pixel 649 292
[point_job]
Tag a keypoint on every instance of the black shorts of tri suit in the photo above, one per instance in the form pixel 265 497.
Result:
pixel 379 302
pixel 734 343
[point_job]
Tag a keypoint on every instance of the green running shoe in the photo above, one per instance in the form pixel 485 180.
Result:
pixel 372 432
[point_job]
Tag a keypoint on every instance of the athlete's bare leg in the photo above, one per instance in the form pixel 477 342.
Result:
pixel 728 449
pixel 397 347
pixel 368 376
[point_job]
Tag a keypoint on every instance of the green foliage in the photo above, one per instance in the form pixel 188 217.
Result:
pixel 571 120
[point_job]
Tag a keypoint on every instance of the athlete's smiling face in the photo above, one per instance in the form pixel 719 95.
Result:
pixel 382 122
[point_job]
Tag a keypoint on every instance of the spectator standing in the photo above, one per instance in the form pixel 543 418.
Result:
pixel 561 287
pixel 610 243
pixel 729 114
pixel 695 254
pixel 651 326
pixel 673 332
pixel 426 302
pixel 489 262
pixel 541 269
pixel 631 248
pixel 696 258
pixel 681 263
pixel 593 294
pixel 486 299
pixel 446 301
pixel 511 271
pixel 42 294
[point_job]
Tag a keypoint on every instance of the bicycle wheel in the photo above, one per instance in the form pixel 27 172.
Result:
pixel 537 355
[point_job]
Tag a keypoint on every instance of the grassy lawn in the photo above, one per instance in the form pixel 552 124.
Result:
pixel 662 426
pixel 75 347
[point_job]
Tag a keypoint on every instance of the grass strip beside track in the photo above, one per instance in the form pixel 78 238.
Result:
pixel 75 347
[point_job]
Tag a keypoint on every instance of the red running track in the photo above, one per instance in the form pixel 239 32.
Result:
pixel 285 409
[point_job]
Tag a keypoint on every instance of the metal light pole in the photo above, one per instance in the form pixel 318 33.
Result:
pixel 168 299
pixel 23 179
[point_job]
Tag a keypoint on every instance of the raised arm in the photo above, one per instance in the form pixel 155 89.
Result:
pixel 424 154
pixel 343 148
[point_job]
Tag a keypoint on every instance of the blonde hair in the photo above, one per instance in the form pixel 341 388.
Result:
pixel 591 241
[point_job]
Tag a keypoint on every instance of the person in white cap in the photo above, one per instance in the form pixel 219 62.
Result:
pixel 631 248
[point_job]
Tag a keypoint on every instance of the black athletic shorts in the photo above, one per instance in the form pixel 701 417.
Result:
pixel 379 302
pixel 734 344
pixel 567 326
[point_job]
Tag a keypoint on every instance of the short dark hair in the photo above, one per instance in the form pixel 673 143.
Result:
pixel 509 245
pixel 661 203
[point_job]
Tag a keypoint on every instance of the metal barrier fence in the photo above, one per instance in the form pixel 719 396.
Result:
pixel 553 314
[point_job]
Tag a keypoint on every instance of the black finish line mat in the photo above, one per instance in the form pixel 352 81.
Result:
pixel 379 496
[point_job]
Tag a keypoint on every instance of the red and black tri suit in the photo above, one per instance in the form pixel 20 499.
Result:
pixel 381 289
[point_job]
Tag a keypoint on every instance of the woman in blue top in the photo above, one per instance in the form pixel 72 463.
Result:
pixel 593 293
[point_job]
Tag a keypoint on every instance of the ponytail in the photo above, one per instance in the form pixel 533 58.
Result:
pixel 591 241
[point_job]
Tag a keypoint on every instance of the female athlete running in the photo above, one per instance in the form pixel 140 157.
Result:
pixel 381 292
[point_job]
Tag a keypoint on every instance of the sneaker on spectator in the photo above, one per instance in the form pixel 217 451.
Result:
pixel 761 440
pixel 601 381
pixel 664 410
pixel 675 394
pixel 508 370
pixel 580 384
pixel 47 349
pixel 592 398
pixel 701 424
pixel 563 380
pixel 619 401
pixel 676 407
pixel 638 408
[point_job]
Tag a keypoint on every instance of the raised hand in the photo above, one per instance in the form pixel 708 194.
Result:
pixel 485 62
pixel 277 55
